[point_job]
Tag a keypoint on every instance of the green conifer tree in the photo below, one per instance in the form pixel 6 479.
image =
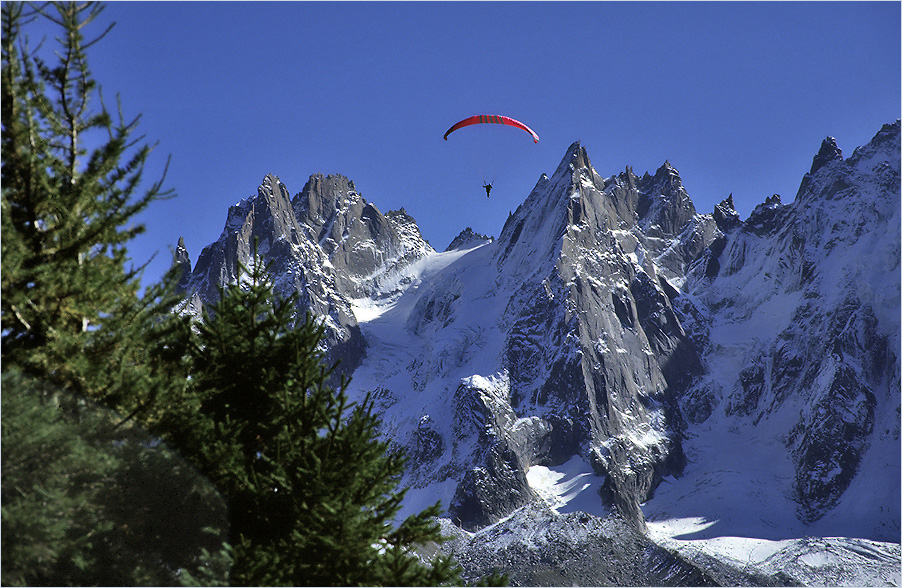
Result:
pixel 312 491
pixel 85 503
pixel 75 507
pixel 67 214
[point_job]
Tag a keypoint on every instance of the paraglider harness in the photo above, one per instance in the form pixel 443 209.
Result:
pixel 488 188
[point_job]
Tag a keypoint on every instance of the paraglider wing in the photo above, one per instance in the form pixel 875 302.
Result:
pixel 492 119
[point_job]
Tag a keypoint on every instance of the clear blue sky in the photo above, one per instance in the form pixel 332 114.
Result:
pixel 737 96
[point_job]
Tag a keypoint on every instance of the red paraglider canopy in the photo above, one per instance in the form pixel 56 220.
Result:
pixel 492 119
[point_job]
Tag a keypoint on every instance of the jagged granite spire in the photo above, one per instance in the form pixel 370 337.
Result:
pixel 561 251
pixel 183 262
pixel 327 244
pixel 664 205
pixel 725 214
pixel 828 152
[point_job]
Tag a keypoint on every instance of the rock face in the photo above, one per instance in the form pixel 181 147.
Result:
pixel 607 329
pixel 827 266
pixel 327 244
pixel 595 349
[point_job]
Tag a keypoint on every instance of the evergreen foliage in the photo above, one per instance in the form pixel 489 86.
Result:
pixel 312 491
pixel 85 502
pixel 66 213
pixel 88 364
pixel 49 471
pixel 77 508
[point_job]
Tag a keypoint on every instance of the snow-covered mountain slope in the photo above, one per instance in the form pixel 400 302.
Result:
pixel 794 427
pixel 550 344
pixel 802 323
pixel 722 387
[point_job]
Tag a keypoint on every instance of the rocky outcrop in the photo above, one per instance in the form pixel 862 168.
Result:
pixel 467 239
pixel 535 547
pixel 327 244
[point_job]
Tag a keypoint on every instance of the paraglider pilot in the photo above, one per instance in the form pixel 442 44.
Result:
pixel 488 188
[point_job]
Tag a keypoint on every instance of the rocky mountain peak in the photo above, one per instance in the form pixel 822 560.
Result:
pixel 828 152
pixel 400 213
pixel 574 167
pixel 767 217
pixel 725 215
pixel 664 205
pixel 772 201
pixel 413 243
pixel 181 252
pixel 272 209
pixel 579 158
pixel 265 221
pixel 573 244
pixel 882 148
pixel 272 186
pixel 888 136
pixel 667 179
pixel 321 197
pixel 467 239
pixel 574 159
pixel 832 178
pixel 570 197
pixel 183 262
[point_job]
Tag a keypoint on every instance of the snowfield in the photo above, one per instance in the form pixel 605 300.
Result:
pixel 569 487
pixel 733 504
